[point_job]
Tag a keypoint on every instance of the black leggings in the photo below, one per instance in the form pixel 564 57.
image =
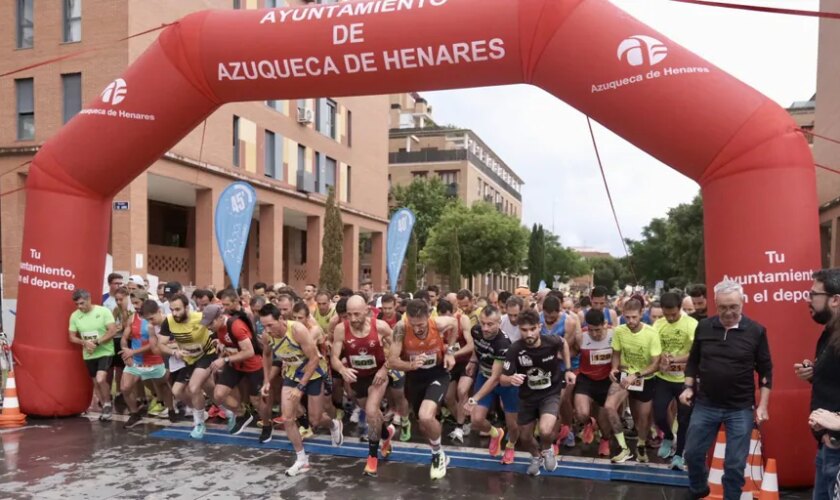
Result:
pixel 665 392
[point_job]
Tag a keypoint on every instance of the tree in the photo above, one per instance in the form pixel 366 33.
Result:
pixel 489 240
pixel 411 264
pixel 427 198
pixel 332 245
pixel 562 261
pixel 455 263
pixel 610 273
pixel 536 257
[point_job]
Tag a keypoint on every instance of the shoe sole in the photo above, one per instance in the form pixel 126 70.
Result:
pixel 302 471
pixel 244 426
pixel 444 470
pixel 131 426
pixel 629 457
pixel 340 434
pixel 265 441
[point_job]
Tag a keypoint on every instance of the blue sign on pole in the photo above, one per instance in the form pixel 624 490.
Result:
pixel 399 234
pixel 233 223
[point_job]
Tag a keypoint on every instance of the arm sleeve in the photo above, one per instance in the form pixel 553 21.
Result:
pixel 73 327
pixel 164 329
pixel 510 362
pixel 501 349
pixel 763 362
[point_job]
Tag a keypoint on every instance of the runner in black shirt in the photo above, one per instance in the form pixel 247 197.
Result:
pixel 533 364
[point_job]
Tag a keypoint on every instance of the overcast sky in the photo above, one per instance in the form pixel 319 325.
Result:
pixel 542 138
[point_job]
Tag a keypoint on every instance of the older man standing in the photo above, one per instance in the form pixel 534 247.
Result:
pixel 719 381
pixel 824 374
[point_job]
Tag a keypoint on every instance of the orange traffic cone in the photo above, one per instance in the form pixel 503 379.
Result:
pixel 770 484
pixel 754 470
pixel 716 471
pixel 11 416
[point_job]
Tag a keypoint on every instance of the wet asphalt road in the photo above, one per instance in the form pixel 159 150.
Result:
pixel 86 459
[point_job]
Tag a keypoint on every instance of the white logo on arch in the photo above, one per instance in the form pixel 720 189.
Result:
pixel 641 49
pixel 115 92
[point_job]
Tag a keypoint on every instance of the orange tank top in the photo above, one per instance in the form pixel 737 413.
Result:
pixel 432 346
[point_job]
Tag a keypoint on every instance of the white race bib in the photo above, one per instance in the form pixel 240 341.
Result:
pixel 429 362
pixel 676 369
pixel 192 350
pixel 363 362
pixel 600 356
pixel 90 336
pixel 637 386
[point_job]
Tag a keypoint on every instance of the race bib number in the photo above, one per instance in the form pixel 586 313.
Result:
pixel 363 362
pixel 600 357
pixel 291 360
pixel 89 336
pixel 637 386
pixel 429 362
pixel 676 369
pixel 539 380
pixel 175 364
pixel 192 350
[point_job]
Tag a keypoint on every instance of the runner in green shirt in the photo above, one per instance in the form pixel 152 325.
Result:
pixel 635 361
pixel 93 328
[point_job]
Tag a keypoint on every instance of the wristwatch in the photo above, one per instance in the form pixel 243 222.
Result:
pixel 638 374
pixel 301 387
pixel 226 359
pixel 472 401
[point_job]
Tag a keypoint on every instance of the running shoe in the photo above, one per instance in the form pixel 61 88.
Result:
pixel 354 417
pixel 133 420
pixel 604 448
pixel 265 434
pixel 569 442
pixel 240 423
pixel 564 433
pixel 279 420
pixel 509 455
pixel 549 460
pixel 439 463
pixel 156 408
pixel 198 431
pixel 215 411
pixel 642 457
pixel 589 431
pixel 457 435
pixel 231 422
pixel 305 432
pixel 665 448
pixel 370 466
pixel 174 417
pixel 337 432
pixel 534 467
pixel 298 468
pixel 107 412
pixel 678 463
pixel 386 448
pixel 163 413
pixel 405 431
pixel 623 456
pixel 496 442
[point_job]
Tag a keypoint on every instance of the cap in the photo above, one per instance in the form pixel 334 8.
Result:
pixel 172 287
pixel 210 314
pixel 137 280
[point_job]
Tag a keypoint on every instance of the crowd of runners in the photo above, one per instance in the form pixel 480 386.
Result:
pixel 542 372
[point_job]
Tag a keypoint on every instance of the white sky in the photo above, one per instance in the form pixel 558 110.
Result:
pixel 542 138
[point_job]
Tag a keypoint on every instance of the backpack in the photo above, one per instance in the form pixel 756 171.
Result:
pixel 244 317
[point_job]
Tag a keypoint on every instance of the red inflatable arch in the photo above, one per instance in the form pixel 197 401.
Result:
pixel 755 170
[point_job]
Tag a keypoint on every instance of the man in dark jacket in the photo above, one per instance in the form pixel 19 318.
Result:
pixel 719 381
pixel 824 374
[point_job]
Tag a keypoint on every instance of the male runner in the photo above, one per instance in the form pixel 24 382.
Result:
pixel 434 296
pixel 423 348
pixel 598 300
pixel 676 335
pixel 593 381
pixel 361 340
pixel 533 364
pixel 513 307
pixel 466 302
pixel 397 402
pixel 554 321
pixel 460 383
pixel 303 373
pixel 324 310
pixel 193 346
pixel 635 361
pixel 309 292
pixel 93 328
pixel 491 347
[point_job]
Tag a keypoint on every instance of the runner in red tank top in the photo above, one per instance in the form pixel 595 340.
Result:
pixel 422 348
pixel 593 382
pixel 460 382
pixel 361 339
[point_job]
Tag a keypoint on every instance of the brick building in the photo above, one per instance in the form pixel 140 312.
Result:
pixel 290 151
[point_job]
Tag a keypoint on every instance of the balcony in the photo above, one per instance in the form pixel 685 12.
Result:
pixel 449 155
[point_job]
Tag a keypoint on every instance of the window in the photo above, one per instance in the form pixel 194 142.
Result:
pixel 71 86
pixel 235 141
pixel 325 117
pixel 270 4
pixel 275 105
pixel 25 24
pixel 273 154
pixel 347 180
pixel 332 173
pixel 448 177
pixel 418 175
pixel 301 164
pixel 479 188
pixel 25 92
pixel 72 20
pixel 237 4
pixel 349 128
pixel 332 109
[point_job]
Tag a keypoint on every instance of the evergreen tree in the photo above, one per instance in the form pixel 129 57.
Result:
pixel 536 257
pixel 332 245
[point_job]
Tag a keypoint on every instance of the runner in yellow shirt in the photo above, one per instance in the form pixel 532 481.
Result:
pixel 635 361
